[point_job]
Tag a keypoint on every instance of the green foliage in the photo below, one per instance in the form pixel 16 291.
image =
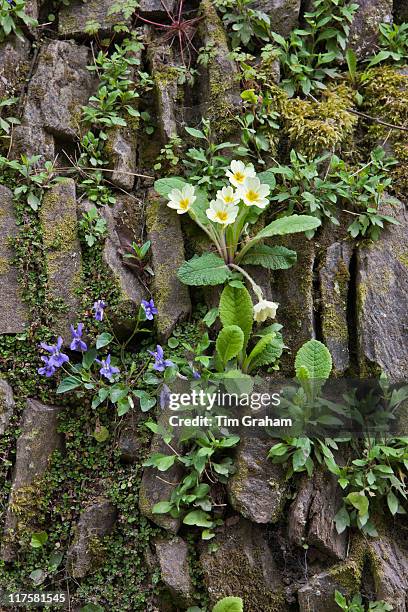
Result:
pixel 377 475
pixel 12 16
pixel 314 360
pixel 259 123
pixel 206 165
pixel 247 26
pixel 169 156
pixel 230 343
pixel 393 45
pixel 6 123
pixel 236 311
pixel 29 179
pixel 356 604
pixel 209 269
pixel 308 55
pixel 302 188
pixel 229 604
pixel 206 459
pixel 92 227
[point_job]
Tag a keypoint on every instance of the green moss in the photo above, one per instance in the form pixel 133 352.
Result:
pixel 316 126
pixel 4 265
pixel 385 92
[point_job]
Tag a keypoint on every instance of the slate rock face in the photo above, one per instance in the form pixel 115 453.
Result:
pixel 73 19
pixel 59 87
pixel 39 438
pixel 14 65
pixel 251 570
pixel 401 11
pixel 158 486
pixel 382 306
pixel 311 516
pixel 86 552
pixel 257 489
pixel 62 251
pixel 364 30
pixel 172 298
pixel 390 571
pixel 284 14
pixel 293 290
pixel 334 279
pixel 6 405
pixel 13 312
pixel 165 79
pixel 174 567
pixel 32 140
pixel 122 145
pixel 318 594
pixel 124 225
pixel 154 8
pixel 220 92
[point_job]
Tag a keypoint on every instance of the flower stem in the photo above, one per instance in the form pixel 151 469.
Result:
pixel 257 290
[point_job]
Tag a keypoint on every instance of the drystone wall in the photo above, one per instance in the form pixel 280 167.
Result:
pixel 277 548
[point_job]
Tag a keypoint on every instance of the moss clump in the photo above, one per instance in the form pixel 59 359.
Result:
pixel 316 126
pixel 385 92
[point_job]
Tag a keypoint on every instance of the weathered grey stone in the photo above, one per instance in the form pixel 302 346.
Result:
pixel 293 290
pixel 318 594
pixel 122 145
pixel 39 438
pixel 62 251
pixel 86 551
pixel 59 87
pixel 32 140
pixel 174 567
pixel 299 512
pixel 158 486
pixel 6 405
pixel 257 489
pixel 364 30
pixel 334 279
pixel 400 11
pixel 220 90
pixel 171 296
pixel 284 14
pixel 130 440
pixel 252 574
pixel 14 65
pixel 382 299
pixel 124 225
pixel 166 88
pixel 74 18
pixel 311 516
pixel 154 8
pixel 390 571
pixel 13 312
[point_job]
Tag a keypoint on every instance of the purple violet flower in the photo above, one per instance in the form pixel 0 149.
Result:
pixel 57 358
pixel 160 363
pixel 107 370
pixel 99 308
pixel 196 375
pixel 149 308
pixel 77 343
pixel 48 369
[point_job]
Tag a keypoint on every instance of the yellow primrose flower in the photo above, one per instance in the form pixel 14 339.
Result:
pixel 253 193
pixel 238 172
pixel 228 196
pixel 222 213
pixel 182 200
pixel 265 310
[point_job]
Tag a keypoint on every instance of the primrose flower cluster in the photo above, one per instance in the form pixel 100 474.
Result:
pixel 244 187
